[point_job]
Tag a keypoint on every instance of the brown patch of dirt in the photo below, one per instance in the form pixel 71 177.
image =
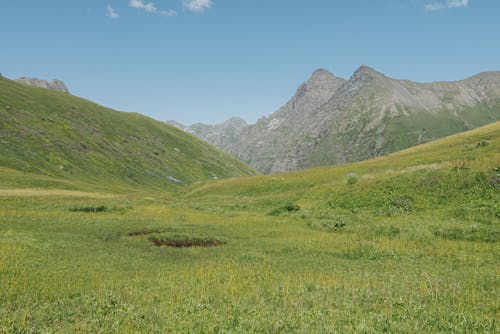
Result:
pixel 145 232
pixel 184 243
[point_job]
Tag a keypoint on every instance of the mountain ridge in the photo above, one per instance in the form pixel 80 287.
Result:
pixel 331 120
pixel 72 140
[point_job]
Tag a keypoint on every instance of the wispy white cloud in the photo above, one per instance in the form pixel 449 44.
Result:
pixel 168 12
pixel 140 4
pixel 197 5
pixel 150 7
pixel 435 6
pixel 111 13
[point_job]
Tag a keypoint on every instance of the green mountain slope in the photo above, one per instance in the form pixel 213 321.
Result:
pixel 54 139
pixel 459 174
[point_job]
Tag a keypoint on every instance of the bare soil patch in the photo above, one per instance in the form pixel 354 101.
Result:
pixel 185 243
pixel 144 232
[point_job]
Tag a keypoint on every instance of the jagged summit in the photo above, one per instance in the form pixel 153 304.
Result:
pixel 55 84
pixel 321 74
pixel 236 121
pixel 320 85
pixel 330 120
pixel 366 72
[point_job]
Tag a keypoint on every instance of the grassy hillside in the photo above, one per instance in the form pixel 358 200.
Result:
pixel 58 140
pixel 404 243
pixel 460 157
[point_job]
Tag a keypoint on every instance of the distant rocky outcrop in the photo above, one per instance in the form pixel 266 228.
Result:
pixel 55 84
pixel 221 135
pixel 331 120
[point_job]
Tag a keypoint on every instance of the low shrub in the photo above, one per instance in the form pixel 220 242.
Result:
pixel 403 203
pixel 291 207
pixel 352 178
pixel 90 209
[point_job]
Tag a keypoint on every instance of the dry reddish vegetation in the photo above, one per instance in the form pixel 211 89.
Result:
pixel 177 241
pixel 145 232
pixel 183 243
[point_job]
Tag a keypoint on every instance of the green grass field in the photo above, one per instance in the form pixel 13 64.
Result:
pixel 404 243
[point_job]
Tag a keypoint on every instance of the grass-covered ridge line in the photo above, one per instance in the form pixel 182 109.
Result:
pixel 76 143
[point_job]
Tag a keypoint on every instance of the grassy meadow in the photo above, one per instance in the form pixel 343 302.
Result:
pixel 406 243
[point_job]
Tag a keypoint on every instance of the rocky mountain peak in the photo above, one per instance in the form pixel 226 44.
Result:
pixel 321 75
pixel 58 85
pixel 321 82
pixel 366 72
pixel 55 84
pixel 236 122
pixel 362 77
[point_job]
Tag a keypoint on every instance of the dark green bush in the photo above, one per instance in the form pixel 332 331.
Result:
pixel 482 143
pixel 403 203
pixel 286 208
pixel 352 178
pixel 90 209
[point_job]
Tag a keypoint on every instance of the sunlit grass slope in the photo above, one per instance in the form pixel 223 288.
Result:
pixel 407 243
pixel 58 140
pixel 432 174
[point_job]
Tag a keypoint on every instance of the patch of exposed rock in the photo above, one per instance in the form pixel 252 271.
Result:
pixel 221 135
pixel 55 84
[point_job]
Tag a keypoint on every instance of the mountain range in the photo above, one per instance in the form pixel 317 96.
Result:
pixel 331 120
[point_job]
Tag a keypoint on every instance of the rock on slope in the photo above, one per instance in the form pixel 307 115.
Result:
pixel 55 84
pixel 331 120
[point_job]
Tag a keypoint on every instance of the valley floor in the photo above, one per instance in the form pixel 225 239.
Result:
pixel 65 270
pixel 407 243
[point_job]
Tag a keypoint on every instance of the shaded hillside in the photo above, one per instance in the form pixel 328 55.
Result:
pixel 57 137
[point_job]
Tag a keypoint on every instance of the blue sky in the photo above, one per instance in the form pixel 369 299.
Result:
pixel 208 60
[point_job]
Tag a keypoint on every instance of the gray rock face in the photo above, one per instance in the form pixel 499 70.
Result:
pixel 331 120
pixel 220 135
pixel 275 143
pixel 58 85
pixel 55 84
